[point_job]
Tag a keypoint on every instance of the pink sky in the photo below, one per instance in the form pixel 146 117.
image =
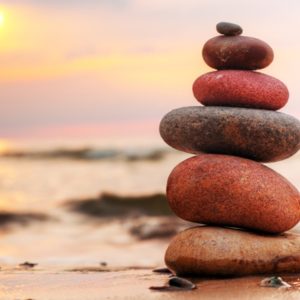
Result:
pixel 116 67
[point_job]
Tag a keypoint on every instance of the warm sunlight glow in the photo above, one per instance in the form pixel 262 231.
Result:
pixel 1 18
pixel 4 146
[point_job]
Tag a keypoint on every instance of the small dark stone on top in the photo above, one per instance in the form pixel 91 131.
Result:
pixel 229 28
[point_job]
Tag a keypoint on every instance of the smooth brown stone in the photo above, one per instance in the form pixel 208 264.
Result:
pixel 233 191
pixel 212 251
pixel 258 134
pixel 237 52
pixel 227 28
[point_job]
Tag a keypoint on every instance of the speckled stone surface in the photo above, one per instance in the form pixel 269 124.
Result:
pixel 228 28
pixel 232 191
pixel 211 251
pixel 240 89
pixel 257 134
pixel 237 52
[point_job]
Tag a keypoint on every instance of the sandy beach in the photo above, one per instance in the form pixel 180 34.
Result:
pixel 131 284
pixel 90 228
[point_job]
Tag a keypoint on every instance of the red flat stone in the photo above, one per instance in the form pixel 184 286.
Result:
pixel 237 88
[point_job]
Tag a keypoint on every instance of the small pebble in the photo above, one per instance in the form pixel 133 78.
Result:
pixel 28 265
pixel 274 282
pixel 175 284
pixel 163 270
pixel 181 283
pixel 230 29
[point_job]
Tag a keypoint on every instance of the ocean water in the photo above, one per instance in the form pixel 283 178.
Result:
pixel 37 178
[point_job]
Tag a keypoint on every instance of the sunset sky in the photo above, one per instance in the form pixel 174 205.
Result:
pixel 115 67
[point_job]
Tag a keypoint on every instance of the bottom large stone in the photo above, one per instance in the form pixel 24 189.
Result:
pixel 216 251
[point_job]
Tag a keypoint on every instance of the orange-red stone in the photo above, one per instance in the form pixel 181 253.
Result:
pixel 233 191
pixel 240 89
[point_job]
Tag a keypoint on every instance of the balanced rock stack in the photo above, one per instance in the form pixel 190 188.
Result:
pixel 225 184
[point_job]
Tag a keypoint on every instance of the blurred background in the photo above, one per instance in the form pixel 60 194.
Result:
pixel 83 86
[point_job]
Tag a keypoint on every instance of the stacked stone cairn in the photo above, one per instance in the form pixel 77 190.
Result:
pixel 246 206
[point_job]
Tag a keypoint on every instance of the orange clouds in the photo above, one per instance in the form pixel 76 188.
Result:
pixel 40 43
pixel 88 61
pixel 46 42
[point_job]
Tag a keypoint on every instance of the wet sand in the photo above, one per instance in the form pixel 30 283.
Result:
pixel 131 284
pixel 65 239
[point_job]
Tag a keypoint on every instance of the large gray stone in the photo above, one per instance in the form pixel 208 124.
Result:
pixel 261 135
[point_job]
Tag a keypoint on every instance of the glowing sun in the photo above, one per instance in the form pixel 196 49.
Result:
pixel 1 18
pixel 4 146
